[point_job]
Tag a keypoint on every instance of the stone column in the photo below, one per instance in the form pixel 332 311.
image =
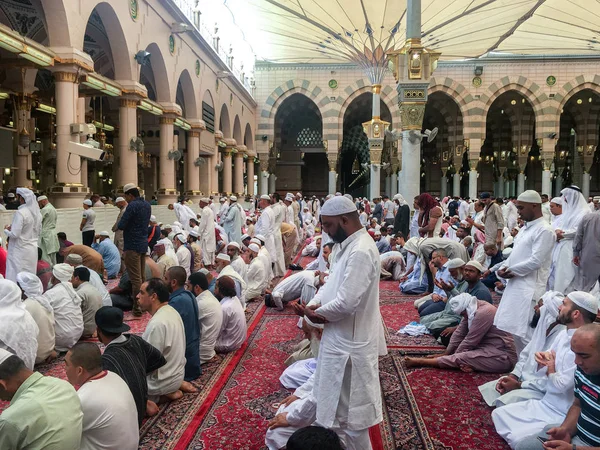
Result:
pixel 444 186
pixel 227 170
pixel 167 191
pixel 192 164
pixel 394 184
pixel 126 170
pixel 23 156
pixel 474 148
pixel 547 149
pixel 587 162
pixel 332 161
pixel 520 183
pixel 507 188
pixel 272 183
pixel 238 170
pixel 68 191
pixel 80 118
pixel 456 185
pixel 250 174
pixel 375 131
pixel 585 184
pixel 559 186
pixel 263 181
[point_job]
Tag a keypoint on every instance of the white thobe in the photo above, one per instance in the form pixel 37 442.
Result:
pixel 414 225
pixel 223 211
pixel 511 215
pixel 546 212
pixel 23 246
pixel 517 421
pixel 530 263
pixel 240 283
pixel 165 332
pixel 97 282
pixel 265 226
pixel 563 271
pixel 233 221
pixel 289 215
pixel 210 315
pixel 290 288
pixel 280 210
pixel 256 278
pixel 240 266
pixel 234 327
pixel 215 208
pixel 184 213
pixel 207 239
pixel 298 373
pixel 463 210
pixel 265 257
pixel 311 249
pixel 68 317
pixel 347 387
pixel 184 259
pixel 45 321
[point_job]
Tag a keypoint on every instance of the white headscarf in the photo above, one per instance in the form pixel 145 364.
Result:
pixel 18 330
pixel 33 207
pixel 548 313
pixel 169 249
pixel 574 208
pixel 400 199
pixel 63 272
pixel 464 302
pixel 33 288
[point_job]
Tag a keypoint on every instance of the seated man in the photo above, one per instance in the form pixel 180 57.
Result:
pixel 517 421
pixel 46 413
pixel 314 248
pixel 476 345
pixel 91 300
pixel 237 262
pixel 210 315
pixel 122 294
pixel 525 382
pixel 316 263
pixel 63 242
pixel 233 329
pixel 414 281
pixel 184 255
pixel 76 261
pixel 223 267
pixel 41 311
pixel 129 356
pixel 43 270
pixel 166 333
pixel 90 257
pixel 66 304
pixel 381 242
pixel 579 428
pixel 185 304
pixel 435 302
pixel 301 285
pixel 493 258
pixel 109 411
pixel 298 373
pixel 18 330
pixel 109 252
pixel 257 274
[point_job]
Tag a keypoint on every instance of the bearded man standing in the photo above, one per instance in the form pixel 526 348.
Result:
pixel 347 388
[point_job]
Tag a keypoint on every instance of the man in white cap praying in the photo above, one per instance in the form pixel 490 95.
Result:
pixel 66 304
pixel 120 203
pixel 223 267
pixel 256 277
pixel 233 221
pixel 265 226
pixel 24 233
pixel 48 241
pixel 184 257
pixel 237 263
pixel 87 226
pixel 353 339
pixel 184 213
pixel 44 411
pixel 526 269
pixel 517 421
pixel 206 233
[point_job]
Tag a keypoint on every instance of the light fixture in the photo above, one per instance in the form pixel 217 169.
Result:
pixel 9 43
pixel 151 107
pixel 100 173
pixel 513 102
pixel 4 95
pixel 182 124
pixel 103 126
pixel 579 101
pixel 45 108
pixel 7 171
pixel 37 57
pixel 103 85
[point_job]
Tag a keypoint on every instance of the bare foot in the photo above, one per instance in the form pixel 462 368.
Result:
pixel 151 408
pixel 467 369
pixel 174 396
pixel 52 357
pixel 410 362
pixel 188 387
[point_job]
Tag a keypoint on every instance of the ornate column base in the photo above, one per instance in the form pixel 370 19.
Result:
pixel 166 196
pixel 473 183
pixel 63 195
pixel 194 196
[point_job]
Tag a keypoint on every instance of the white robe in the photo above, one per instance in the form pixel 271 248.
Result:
pixel 517 421
pixel 256 278
pixel 68 317
pixel 530 262
pixel 280 210
pixel 265 226
pixel 240 266
pixel 347 388
pixel 48 240
pixel 184 213
pixel 23 245
pixel 184 259
pixel 298 373
pixel 292 287
pixel 240 283
pixel 207 239
pixel 233 221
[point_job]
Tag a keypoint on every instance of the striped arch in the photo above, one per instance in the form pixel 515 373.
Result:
pixel 455 91
pixel 359 87
pixel 266 123
pixel 570 89
pixel 530 90
pixel 453 129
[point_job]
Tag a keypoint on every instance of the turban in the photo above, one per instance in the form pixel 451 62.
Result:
pixel 338 206
pixel 62 272
pixel 74 259
pixel 584 300
pixel 464 302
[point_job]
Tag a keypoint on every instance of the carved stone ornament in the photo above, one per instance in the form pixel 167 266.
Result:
pixel 412 115
pixel 332 161
pixel 375 155
pixel 264 165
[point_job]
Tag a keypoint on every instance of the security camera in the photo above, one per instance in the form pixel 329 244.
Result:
pixel 85 129
pixel 179 28
pixel 86 151
pixel 142 57
pixel 552 135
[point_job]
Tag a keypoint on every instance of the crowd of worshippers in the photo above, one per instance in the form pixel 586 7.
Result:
pixel 194 277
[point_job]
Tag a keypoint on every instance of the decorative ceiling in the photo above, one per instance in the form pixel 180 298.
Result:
pixel 361 31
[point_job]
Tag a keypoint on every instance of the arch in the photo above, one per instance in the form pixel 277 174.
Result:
pixel 224 122
pixel 363 86
pixel 122 56
pixel 208 98
pixel 248 138
pixel 237 129
pixel 188 95
pixel 568 90
pixel 159 71
pixel 274 101
pixel 456 91
pixel 56 13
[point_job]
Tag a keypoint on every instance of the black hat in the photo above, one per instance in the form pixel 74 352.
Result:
pixel 110 319
pixel 485 195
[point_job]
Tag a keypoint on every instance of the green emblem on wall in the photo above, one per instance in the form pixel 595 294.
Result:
pixel 172 44
pixel 477 81
pixel 197 67
pixel 133 9
pixel 333 84
pixel 551 80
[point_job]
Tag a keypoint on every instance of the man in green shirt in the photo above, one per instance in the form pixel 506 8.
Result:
pixel 44 412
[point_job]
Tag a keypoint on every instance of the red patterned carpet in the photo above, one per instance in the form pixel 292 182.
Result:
pixel 240 392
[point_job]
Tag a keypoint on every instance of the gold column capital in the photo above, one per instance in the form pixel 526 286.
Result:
pixel 128 103
pixel 411 115
pixel 70 77
pixel 194 134
pixel 163 120
pixel 376 89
